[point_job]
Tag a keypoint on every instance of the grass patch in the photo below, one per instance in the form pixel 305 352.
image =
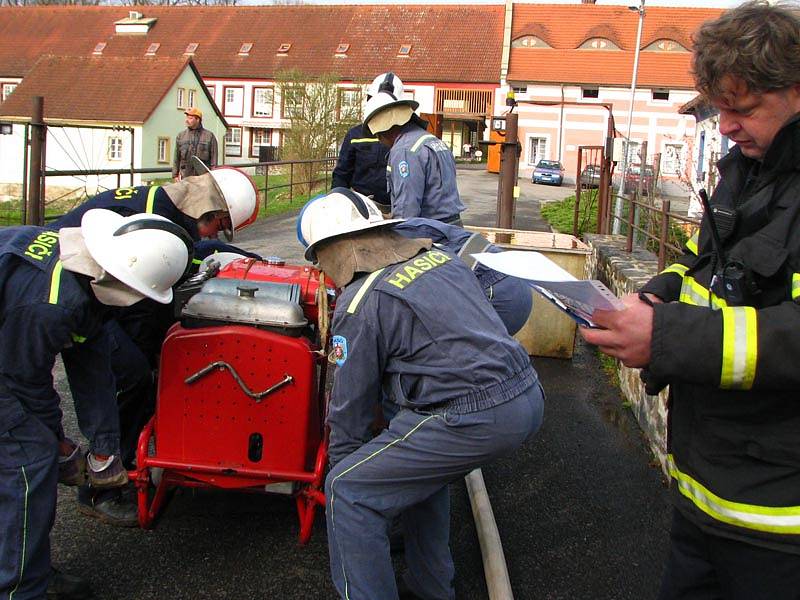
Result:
pixel 561 214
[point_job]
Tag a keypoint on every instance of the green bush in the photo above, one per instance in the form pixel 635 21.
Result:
pixel 561 214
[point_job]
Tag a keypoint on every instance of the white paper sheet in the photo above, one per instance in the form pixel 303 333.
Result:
pixel 577 297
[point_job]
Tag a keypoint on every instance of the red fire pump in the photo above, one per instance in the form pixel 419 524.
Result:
pixel 241 394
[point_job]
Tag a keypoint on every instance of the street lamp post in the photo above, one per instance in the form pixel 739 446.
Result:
pixel 618 204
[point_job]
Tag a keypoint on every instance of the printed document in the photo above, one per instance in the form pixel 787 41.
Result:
pixel 579 298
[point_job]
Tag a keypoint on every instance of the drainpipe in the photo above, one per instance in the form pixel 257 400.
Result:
pixel 561 125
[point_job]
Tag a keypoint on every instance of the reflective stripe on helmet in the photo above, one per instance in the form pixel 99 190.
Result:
pixel 773 519
pixel 162 225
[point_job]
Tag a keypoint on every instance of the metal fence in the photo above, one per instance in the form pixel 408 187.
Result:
pixel 278 182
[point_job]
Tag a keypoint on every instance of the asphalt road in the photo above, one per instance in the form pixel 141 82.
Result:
pixel 581 510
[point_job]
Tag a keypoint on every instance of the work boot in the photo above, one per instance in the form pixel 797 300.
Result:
pixel 63 586
pixel 107 472
pixel 113 507
pixel 71 463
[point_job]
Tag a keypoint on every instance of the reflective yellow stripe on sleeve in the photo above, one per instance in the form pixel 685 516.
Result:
pixel 695 294
pixel 55 282
pixel 151 199
pixel 691 243
pixel 774 519
pixel 421 141
pixel 796 287
pixel 676 268
pixel 363 290
pixel 363 140
pixel 739 347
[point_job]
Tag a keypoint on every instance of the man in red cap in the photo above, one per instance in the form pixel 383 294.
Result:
pixel 195 140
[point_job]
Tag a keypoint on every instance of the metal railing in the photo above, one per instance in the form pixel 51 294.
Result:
pixel 286 181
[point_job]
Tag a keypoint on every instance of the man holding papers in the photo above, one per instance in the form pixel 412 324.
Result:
pixel 721 326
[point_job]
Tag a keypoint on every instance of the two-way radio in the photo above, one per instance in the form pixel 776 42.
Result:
pixel 733 275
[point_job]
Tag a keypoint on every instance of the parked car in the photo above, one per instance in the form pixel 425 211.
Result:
pixel 548 171
pixel 590 176
pixel 632 176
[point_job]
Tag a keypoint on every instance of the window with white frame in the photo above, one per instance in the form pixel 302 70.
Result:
pixel 259 137
pixel 7 89
pixel 234 101
pixel 671 159
pixel 162 150
pixel 590 92
pixel 349 104
pixel 114 148
pixel 181 97
pixel 520 89
pixel 190 98
pixel 233 142
pixel 292 98
pixel 263 100
pixel 537 148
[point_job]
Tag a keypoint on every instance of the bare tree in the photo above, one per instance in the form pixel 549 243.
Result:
pixel 320 112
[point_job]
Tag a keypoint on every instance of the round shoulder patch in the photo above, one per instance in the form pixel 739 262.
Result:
pixel 338 352
pixel 402 168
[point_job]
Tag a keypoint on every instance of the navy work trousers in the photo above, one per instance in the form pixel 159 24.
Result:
pixel 405 471
pixel 28 482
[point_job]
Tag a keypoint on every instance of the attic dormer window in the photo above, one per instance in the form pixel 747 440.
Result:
pixel 98 49
pixel 529 41
pixel 152 49
pixel 342 48
pixel 284 48
pixel 665 45
pixel 191 48
pixel 599 44
pixel 405 50
pixel 245 48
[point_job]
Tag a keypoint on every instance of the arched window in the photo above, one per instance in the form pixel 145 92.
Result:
pixel 665 45
pixel 529 41
pixel 599 43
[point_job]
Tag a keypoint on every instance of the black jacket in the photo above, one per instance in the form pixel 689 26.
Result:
pixel 734 409
pixel 362 165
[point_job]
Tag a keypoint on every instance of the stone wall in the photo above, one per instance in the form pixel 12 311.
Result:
pixel 624 273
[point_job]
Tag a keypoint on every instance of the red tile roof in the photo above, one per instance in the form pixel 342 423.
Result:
pixel 565 27
pixel 95 89
pixel 449 42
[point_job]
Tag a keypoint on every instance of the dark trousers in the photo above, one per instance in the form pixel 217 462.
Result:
pixel 136 393
pixel 702 566
pixel 28 481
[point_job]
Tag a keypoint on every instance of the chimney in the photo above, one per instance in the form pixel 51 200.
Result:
pixel 588 1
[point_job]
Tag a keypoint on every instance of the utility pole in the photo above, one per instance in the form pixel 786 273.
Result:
pixel 618 202
pixel 508 174
pixel 34 215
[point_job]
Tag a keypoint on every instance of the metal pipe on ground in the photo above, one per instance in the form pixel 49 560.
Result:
pixel 494 562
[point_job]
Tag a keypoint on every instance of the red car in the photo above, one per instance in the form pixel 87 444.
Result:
pixel 632 176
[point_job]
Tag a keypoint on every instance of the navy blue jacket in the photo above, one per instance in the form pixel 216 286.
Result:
pixel 390 332
pixel 362 165
pixel 45 311
pixel 421 176
pixel 131 201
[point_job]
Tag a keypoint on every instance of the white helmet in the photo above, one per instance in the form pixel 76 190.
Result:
pixel 386 82
pixel 240 194
pixel 383 111
pixel 146 252
pixel 339 212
